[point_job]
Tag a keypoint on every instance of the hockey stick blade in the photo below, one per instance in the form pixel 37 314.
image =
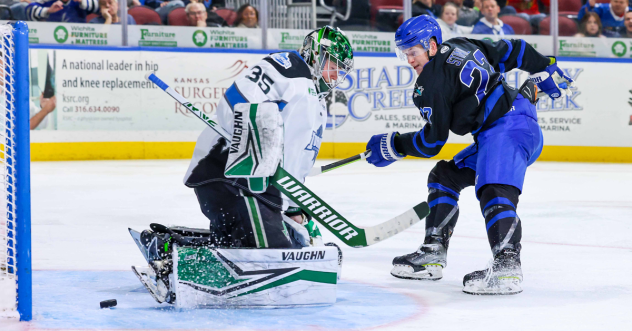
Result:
pixel 315 171
pixel 309 202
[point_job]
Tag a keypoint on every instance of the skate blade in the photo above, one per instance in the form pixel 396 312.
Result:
pixel 507 287
pixel 432 272
pixel 143 275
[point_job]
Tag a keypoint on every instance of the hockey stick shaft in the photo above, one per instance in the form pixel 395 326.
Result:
pixel 310 202
pixel 341 163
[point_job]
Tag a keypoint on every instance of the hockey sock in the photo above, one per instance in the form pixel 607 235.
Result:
pixel 498 205
pixel 445 183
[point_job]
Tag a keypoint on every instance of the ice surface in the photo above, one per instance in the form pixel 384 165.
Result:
pixel 577 251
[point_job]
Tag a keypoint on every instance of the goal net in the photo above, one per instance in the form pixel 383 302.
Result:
pixel 15 215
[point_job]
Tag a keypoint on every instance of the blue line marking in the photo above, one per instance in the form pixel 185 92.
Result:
pixel 498 201
pixel 444 189
pixel 505 214
pixel 437 201
pixel 70 300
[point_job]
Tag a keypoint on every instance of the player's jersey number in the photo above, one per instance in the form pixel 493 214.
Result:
pixel 260 78
pixel 478 64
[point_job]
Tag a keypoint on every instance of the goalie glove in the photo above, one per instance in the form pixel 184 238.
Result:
pixel 315 237
pixel 553 81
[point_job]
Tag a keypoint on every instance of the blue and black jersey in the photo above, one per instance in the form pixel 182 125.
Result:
pixel 462 90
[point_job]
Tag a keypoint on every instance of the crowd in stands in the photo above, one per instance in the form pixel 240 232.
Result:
pixel 580 18
pixel 200 13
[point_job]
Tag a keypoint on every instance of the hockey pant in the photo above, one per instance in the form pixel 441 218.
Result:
pixel 496 165
pixel 240 220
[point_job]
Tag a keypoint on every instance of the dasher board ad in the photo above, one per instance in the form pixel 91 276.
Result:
pixel 107 91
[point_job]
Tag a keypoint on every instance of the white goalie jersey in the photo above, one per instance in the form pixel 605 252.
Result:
pixel 285 79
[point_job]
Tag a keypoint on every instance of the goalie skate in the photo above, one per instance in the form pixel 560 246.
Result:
pixel 502 277
pixel 155 286
pixel 426 263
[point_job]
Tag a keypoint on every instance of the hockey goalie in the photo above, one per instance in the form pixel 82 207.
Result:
pixel 260 249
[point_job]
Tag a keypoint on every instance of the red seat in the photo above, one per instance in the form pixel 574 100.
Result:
pixel 603 1
pixel 376 5
pixel 518 24
pixel 178 17
pixel 567 26
pixel 90 17
pixel 144 15
pixel 569 6
pixel 229 15
pixel 441 2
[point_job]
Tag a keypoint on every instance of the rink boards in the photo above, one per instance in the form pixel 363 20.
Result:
pixel 105 109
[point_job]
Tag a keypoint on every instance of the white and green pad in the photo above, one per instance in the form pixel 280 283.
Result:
pixel 210 277
pixel 256 146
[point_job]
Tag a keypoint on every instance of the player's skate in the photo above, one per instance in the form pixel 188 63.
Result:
pixel 157 286
pixel 502 277
pixel 426 263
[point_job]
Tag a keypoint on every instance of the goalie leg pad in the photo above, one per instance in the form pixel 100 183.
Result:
pixel 255 277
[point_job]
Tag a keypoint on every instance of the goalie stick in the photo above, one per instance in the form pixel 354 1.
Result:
pixel 310 202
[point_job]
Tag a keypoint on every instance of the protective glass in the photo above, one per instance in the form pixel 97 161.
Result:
pixel 403 54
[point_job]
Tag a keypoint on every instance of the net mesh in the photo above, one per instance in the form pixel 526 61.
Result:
pixel 8 244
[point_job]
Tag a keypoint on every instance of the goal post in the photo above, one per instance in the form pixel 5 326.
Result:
pixel 15 198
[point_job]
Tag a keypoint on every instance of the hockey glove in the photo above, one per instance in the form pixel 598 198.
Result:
pixel 553 81
pixel 383 151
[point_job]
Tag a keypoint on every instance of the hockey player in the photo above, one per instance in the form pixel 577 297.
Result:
pixel 297 83
pixel 460 89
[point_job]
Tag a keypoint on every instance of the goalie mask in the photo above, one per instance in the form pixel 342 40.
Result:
pixel 329 56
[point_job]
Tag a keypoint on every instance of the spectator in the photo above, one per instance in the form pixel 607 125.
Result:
pixel 38 117
pixel 74 11
pixel 467 16
pixel 611 15
pixel 529 9
pixel 16 10
pixel 163 8
pixel 196 13
pixel 449 28
pixel 590 26
pixel 627 21
pixel 425 7
pixel 247 17
pixel 109 13
pixel 490 24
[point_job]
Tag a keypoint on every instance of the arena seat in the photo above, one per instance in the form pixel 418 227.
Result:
pixel 518 24
pixel 570 8
pixel 144 15
pixel 178 17
pixel 90 17
pixel 603 1
pixel 376 5
pixel 441 2
pixel 229 15
pixel 567 27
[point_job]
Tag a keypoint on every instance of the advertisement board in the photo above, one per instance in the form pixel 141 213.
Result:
pixel 102 96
